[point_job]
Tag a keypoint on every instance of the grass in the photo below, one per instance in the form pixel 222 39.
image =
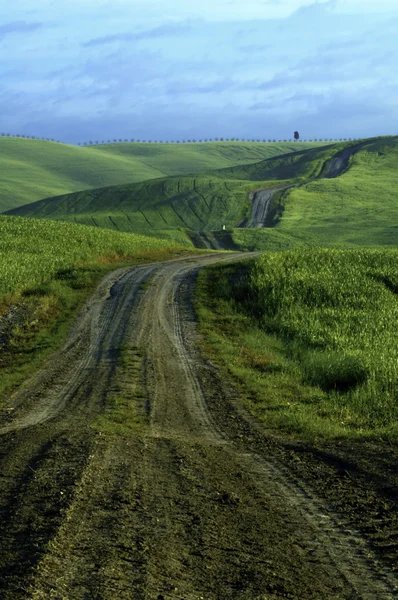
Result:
pixel 251 240
pixel 47 270
pixel 199 202
pixel 123 414
pixel 359 208
pixel 196 203
pixel 356 209
pixel 310 337
pixel 35 169
pixel 34 251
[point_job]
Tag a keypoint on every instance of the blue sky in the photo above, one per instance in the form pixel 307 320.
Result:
pixel 76 70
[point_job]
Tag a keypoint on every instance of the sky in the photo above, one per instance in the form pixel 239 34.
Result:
pixel 80 70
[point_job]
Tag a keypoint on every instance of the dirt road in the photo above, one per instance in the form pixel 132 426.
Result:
pixel 195 502
pixel 260 205
pixel 261 198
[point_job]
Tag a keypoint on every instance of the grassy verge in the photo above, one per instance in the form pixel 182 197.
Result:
pixel 310 338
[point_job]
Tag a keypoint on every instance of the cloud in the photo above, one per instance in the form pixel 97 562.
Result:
pixel 19 27
pixel 197 76
pixel 254 48
pixel 165 30
pixel 192 86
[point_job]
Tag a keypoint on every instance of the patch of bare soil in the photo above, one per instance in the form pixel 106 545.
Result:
pixel 199 502
pixel 260 205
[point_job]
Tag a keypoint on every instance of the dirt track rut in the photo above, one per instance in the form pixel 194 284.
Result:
pixel 185 506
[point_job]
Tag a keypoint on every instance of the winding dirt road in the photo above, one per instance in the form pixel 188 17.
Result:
pixel 260 205
pixel 262 197
pixel 194 502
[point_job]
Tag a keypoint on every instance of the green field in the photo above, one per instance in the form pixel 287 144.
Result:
pixel 202 202
pixel 357 208
pixel 32 252
pixel 33 169
pixel 360 208
pixel 311 335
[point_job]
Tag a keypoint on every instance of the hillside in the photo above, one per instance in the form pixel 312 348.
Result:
pixel 198 202
pixel 343 210
pixel 360 208
pixel 34 169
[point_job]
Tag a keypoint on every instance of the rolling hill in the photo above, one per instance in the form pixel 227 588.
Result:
pixel 358 207
pixel 201 202
pixel 34 169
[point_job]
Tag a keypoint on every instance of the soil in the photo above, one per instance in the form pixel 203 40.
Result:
pixel 200 501
pixel 212 240
pixel 261 200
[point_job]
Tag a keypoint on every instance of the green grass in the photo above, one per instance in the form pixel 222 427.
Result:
pixel 34 169
pixel 123 414
pixel 197 203
pixel 360 208
pixel 310 336
pixel 252 240
pixel 33 251
pixel 201 202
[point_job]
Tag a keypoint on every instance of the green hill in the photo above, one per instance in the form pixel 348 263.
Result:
pixel 33 169
pixel 198 202
pixel 360 208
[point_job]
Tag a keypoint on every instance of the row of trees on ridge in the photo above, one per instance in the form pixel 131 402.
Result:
pixel 183 141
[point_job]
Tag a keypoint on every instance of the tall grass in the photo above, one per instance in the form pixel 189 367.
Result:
pixel 337 313
pixel 33 250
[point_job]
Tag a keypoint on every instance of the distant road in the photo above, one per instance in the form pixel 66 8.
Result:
pixel 261 198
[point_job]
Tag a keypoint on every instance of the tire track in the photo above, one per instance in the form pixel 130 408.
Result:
pixel 183 506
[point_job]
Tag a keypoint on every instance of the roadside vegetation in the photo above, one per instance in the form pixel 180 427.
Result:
pixel 48 266
pixel 33 252
pixel 310 337
pixel 47 270
pixel 34 169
